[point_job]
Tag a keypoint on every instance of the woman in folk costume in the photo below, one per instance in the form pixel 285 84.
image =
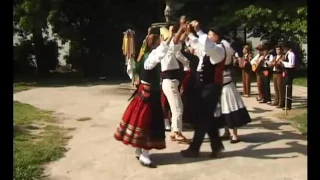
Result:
pixel 142 123
pixel 246 70
pixel 233 110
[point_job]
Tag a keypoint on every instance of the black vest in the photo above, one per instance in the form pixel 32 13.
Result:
pixel 211 73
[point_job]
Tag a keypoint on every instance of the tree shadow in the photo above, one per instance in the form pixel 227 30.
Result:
pixel 268 153
pixel 247 152
pixel 258 110
pixel 66 79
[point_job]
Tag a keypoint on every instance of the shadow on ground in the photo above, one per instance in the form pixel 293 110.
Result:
pixel 66 79
pixel 253 150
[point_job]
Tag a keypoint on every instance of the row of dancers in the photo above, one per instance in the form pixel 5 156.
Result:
pixel 213 100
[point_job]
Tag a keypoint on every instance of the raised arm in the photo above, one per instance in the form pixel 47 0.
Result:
pixel 180 57
pixel 291 62
pixel 155 56
pixel 215 52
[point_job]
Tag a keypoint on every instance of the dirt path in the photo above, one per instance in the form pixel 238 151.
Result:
pixel 272 149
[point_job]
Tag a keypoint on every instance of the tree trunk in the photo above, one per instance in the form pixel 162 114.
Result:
pixel 39 50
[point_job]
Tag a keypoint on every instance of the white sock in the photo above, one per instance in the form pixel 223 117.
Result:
pixel 144 157
pixel 167 123
pixel 138 152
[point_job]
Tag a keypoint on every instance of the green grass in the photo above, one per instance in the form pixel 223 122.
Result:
pixel 18 87
pixel 298 118
pixel 38 139
pixel 301 81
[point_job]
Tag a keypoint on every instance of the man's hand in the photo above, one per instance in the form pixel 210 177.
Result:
pixel 196 26
pixel 183 20
pixel 149 30
pixel 188 29
pixel 171 32
pixel 261 58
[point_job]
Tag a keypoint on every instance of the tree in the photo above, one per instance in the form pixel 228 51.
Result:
pixel 30 17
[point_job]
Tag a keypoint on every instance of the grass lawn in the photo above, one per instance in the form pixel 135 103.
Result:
pixel 301 81
pixel 38 139
pixel 298 118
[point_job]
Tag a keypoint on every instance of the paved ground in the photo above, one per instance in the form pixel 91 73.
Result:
pixel 271 148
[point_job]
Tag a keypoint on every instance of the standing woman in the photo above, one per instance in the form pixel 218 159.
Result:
pixel 246 70
pixel 142 123
pixel 233 110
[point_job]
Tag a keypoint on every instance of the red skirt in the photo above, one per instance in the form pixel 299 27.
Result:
pixel 138 127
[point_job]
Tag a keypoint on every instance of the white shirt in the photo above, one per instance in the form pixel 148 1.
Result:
pixel 292 58
pixel 254 61
pixel 167 56
pixel 156 56
pixel 230 51
pixel 204 46
pixel 267 62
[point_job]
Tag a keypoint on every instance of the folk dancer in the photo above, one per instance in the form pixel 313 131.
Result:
pixel 142 123
pixel 289 65
pixel 277 77
pixel 233 110
pixel 170 75
pixel 208 88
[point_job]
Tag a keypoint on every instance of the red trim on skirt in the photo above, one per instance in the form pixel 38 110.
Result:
pixel 133 129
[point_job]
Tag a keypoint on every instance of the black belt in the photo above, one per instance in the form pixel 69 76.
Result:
pixel 227 83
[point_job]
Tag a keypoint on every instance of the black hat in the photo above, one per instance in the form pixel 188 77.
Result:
pixel 286 44
pixel 217 30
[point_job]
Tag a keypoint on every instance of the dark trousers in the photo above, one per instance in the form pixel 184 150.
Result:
pixel 287 81
pixel 205 122
pixel 265 82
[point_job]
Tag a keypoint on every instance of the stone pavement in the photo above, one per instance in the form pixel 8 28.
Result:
pixel 271 148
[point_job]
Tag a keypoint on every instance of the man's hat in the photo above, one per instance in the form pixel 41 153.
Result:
pixel 262 47
pixel 217 30
pixel 164 32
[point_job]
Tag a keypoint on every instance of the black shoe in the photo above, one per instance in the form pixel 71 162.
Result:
pixel 216 152
pixel 263 102
pixel 234 141
pixel 189 154
pixel 151 165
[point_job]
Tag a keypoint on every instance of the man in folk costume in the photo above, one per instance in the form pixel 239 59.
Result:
pixel 288 63
pixel 255 68
pixel 170 74
pixel 265 61
pixel 142 123
pixel 208 88
pixel 277 77
pixel 188 83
